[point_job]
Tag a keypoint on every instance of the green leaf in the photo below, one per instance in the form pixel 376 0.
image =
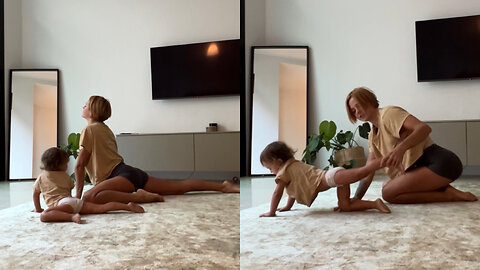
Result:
pixel 363 130
pixel 328 129
pixel 74 140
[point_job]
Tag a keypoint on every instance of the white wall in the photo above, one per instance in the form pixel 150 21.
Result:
pixel 369 43
pixel 102 48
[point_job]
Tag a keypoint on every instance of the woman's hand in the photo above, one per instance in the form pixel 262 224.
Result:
pixel 393 160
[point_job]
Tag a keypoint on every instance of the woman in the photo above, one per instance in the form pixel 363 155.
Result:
pixel 114 180
pixel 420 171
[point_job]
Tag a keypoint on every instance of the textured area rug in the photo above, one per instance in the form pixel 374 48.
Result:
pixel 428 236
pixel 194 231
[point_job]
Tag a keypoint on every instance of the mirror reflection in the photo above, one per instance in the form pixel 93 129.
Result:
pixel 279 100
pixel 33 120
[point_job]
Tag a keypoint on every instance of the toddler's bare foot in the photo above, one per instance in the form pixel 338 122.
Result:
pixel 230 188
pixel 77 218
pixel 146 196
pixel 382 207
pixel 135 208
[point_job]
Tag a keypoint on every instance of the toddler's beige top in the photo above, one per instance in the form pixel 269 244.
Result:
pixel 54 186
pixel 383 139
pixel 99 141
pixel 301 180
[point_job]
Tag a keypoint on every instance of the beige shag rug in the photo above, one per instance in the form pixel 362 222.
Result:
pixel 194 231
pixel 428 236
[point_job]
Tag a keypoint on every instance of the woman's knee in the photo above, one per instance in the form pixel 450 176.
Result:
pixel 388 194
pixel 89 196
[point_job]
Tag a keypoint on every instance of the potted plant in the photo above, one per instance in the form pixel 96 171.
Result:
pixel 73 148
pixel 345 150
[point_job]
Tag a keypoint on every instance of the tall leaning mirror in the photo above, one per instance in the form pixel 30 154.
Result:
pixel 279 77
pixel 33 120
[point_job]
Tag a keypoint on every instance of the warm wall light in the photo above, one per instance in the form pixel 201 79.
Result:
pixel 212 49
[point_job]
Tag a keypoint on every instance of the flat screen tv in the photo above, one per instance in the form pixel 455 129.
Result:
pixel 448 49
pixel 196 70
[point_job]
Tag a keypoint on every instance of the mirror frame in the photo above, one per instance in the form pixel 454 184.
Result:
pixel 250 97
pixel 10 100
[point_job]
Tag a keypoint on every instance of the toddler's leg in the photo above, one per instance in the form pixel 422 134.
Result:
pixel 347 205
pixel 60 213
pixel 94 208
pixel 339 176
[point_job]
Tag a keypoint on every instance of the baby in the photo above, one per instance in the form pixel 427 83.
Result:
pixel 303 182
pixel 56 186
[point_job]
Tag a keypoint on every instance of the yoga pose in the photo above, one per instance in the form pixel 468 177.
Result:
pixel 56 186
pixel 303 182
pixel 420 171
pixel 113 180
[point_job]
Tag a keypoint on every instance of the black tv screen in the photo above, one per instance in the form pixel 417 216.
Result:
pixel 448 49
pixel 195 70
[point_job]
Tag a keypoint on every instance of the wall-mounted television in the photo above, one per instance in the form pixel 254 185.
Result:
pixel 196 70
pixel 448 49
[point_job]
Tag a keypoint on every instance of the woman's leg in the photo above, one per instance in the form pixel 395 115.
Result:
pixel 118 189
pixel 421 185
pixel 179 187
pixel 59 213
pixel 94 208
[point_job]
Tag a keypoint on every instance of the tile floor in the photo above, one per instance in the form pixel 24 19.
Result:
pixel 13 193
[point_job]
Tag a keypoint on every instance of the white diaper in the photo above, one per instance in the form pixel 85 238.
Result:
pixel 330 176
pixel 75 203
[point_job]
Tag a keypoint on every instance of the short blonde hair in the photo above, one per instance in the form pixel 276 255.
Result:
pixel 365 98
pixel 99 108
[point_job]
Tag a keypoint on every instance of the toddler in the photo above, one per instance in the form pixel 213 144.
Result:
pixel 56 186
pixel 303 182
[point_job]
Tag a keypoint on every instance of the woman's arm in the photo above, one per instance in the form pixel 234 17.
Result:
pixel 276 197
pixel 417 132
pixel 82 161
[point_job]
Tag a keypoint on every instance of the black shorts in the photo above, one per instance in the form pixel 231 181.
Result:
pixel 440 161
pixel 136 176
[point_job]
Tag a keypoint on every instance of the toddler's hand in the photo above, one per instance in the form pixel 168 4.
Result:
pixel 39 210
pixel 267 215
pixel 283 209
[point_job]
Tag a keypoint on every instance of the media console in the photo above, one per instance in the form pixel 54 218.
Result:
pixel 211 155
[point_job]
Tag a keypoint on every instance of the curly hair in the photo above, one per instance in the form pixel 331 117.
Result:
pixel 276 150
pixel 53 158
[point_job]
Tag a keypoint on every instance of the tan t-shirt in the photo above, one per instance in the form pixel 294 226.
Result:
pixel 99 141
pixel 301 180
pixel 54 186
pixel 383 139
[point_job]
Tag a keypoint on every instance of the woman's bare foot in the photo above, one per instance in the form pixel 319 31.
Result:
pixel 230 188
pixel 461 195
pixel 135 208
pixel 146 196
pixel 77 218
pixel 382 207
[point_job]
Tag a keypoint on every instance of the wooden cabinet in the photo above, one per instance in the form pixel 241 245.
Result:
pixel 461 137
pixel 214 155
pixel 473 143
